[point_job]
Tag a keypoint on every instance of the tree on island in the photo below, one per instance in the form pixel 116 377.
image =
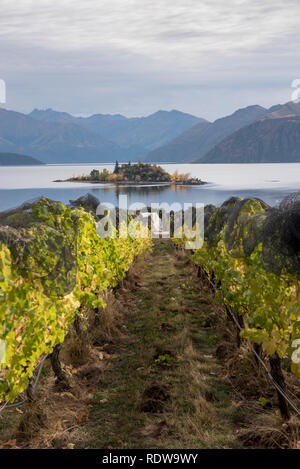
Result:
pixel 117 168
pixel 95 174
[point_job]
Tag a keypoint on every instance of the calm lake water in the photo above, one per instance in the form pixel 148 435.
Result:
pixel 270 182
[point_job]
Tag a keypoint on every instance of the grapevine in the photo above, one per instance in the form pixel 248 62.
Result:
pixel 59 270
pixel 257 267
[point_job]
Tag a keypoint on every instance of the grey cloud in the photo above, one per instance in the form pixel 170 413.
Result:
pixel 134 57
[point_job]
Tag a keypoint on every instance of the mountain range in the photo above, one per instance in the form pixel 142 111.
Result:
pixel 249 135
pixel 58 137
pixel 198 140
pixel 144 133
pixel 267 140
pixel 252 134
pixel 51 142
pixel 273 138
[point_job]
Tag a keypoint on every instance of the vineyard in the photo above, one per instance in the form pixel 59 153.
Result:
pixel 54 269
pixel 56 275
pixel 251 258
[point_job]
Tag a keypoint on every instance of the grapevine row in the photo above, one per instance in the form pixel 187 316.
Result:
pixel 54 268
pixel 247 255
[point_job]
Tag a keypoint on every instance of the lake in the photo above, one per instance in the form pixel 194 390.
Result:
pixel 270 182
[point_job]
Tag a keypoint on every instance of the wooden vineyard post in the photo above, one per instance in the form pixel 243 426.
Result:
pixel 61 377
pixel 277 375
pixel 258 350
pixel 30 391
pixel 240 321
pixel 77 325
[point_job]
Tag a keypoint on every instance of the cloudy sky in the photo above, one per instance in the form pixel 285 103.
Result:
pixel 206 57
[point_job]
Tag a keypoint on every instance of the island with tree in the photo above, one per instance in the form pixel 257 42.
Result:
pixel 139 173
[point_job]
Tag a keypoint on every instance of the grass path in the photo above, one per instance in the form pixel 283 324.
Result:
pixel 163 386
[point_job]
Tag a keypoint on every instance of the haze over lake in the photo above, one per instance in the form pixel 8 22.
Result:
pixel 270 182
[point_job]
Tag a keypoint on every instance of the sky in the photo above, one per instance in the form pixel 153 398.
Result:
pixel 134 57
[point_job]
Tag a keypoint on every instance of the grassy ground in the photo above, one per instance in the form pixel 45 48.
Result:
pixel 164 387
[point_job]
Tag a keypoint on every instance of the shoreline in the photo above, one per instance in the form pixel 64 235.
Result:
pixel 137 183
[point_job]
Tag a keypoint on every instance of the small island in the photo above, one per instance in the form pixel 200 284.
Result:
pixel 133 174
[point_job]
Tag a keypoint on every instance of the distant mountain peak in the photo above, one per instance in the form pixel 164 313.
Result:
pixel 251 107
pixel 200 138
pixel 268 140
pixel 284 110
pixel 141 134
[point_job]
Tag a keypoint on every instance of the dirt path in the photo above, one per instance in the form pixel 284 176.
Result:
pixel 163 386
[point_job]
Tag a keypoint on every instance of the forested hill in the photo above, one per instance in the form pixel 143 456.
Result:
pixel 275 140
pixel 201 138
pixel 15 159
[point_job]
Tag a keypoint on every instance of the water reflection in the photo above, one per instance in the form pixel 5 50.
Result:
pixel 139 193
pixel 180 189
pixel 140 190
pixel 206 194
